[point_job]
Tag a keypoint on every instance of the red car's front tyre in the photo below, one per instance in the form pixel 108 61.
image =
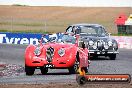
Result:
pixel 29 70
pixel 43 70
pixel 73 69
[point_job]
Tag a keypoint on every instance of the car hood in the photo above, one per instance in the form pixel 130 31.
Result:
pixel 57 46
pixel 70 49
pixel 96 38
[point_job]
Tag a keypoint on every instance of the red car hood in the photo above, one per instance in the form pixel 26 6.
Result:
pixel 59 45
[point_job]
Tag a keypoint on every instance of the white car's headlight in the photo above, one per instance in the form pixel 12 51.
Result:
pixel 61 52
pixel 37 51
pixel 110 43
pixel 91 43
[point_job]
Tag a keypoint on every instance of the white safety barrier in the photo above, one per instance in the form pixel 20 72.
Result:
pixel 124 41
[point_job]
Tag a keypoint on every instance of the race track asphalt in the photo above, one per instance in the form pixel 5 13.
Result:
pixel 14 54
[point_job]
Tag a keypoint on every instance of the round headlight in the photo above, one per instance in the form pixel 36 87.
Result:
pixel 95 46
pixel 106 46
pixel 115 45
pixel 37 51
pixel 61 52
pixel 99 43
pixel 91 43
pixel 110 43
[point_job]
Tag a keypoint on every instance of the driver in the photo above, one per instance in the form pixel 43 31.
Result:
pixel 76 29
pixel 53 37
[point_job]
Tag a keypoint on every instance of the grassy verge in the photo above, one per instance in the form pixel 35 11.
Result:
pixel 37 24
pixel 21 24
pixel 42 31
pixel 23 31
pixel 121 34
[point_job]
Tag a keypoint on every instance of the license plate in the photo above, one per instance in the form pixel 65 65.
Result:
pixel 49 65
pixel 98 52
pixel 103 52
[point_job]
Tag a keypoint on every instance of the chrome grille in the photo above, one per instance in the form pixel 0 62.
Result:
pixel 100 45
pixel 49 54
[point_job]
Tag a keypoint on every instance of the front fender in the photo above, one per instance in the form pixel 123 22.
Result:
pixel 29 53
pixel 71 54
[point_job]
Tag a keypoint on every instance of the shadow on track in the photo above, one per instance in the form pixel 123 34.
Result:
pixel 99 58
pixel 58 73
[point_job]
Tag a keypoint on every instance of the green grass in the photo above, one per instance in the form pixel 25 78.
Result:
pixel 121 34
pixel 32 27
pixel 21 24
pixel 4 23
pixel 51 26
pixel 30 24
pixel 42 31
pixel 23 31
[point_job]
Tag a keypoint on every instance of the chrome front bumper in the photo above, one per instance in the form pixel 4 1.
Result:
pixel 102 52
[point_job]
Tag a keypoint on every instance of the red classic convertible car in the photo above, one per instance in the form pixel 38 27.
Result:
pixel 62 54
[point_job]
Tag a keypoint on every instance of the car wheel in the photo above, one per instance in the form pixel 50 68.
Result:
pixel 29 70
pixel 92 57
pixel 43 70
pixel 112 56
pixel 81 80
pixel 73 69
pixel 86 69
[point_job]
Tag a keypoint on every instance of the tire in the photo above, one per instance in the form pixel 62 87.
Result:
pixel 112 56
pixel 73 69
pixel 29 70
pixel 92 57
pixel 43 70
pixel 81 80
pixel 86 69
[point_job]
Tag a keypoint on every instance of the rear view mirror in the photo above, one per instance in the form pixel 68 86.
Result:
pixel 109 34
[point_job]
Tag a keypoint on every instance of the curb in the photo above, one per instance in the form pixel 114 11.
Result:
pixel 2 66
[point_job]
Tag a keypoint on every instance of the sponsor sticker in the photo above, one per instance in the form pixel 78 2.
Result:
pixel 103 78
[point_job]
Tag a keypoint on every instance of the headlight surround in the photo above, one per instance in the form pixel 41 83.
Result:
pixel 37 51
pixel 91 43
pixel 95 45
pixel 110 43
pixel 99 43
pixel 115 45
pixel 106 46
pixel 61 52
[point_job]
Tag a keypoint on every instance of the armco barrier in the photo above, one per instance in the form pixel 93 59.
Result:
pixel 29 38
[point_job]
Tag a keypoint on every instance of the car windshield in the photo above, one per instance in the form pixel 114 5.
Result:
pixel 68 39
pixel 93 31
pixel 65 38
